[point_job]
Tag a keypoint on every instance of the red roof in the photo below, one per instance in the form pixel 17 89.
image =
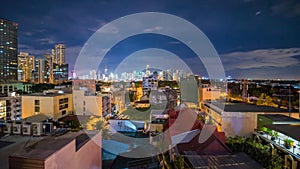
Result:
pixel 208 141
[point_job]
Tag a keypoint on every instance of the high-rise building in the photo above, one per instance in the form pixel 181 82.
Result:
pixel 148 70
pixel 40 71
pixel 25 67
pixel 60 73
pixel 93 74
pixel 58 54
pixel 59 67
pixel 49 68
pixel 8 51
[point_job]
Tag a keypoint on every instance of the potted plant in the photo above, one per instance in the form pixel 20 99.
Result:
pixel 276 134
pixel 271 133
pixel 288 143
pixel 264 130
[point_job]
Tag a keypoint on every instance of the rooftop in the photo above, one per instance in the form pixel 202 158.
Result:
pixel 49 145
pixel 280 118
pixel 5 20
pixel 36 118
pixel 46 94
pixel 239 160
pixel 243 107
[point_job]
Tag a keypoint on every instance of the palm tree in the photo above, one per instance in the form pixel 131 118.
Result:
pixel 95 123
pixel 103 126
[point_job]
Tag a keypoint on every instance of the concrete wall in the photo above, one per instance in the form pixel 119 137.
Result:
pixel 243 123
pixel 49 105
pixel 88 156
pixel 240 123
pixel 87 105
pixel 209 94
pixel 237 123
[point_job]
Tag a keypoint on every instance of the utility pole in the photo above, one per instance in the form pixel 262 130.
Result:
pixel 299 103
pixel 289 100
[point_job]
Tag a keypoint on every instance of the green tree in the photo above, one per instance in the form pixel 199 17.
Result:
pixel 261 99
pixel 103 126
pixel 269 101
pixel 96 123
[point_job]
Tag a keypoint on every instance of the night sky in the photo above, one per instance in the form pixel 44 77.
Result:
pixel 256 39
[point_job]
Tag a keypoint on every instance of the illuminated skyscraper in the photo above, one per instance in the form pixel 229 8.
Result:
pixel 8 51
pixel 60 73
pixel 40 71
pixel 59 66
pixel 58 54
pixel 49 68
pixel 25 67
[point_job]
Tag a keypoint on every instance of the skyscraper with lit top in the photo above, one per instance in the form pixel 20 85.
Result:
pixel 58 53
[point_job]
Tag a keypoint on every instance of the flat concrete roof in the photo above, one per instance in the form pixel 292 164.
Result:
pixel 18 143
pixel 49 145
pixel 245 107
pixel 280 118
pixel 36 118
pixel 47 94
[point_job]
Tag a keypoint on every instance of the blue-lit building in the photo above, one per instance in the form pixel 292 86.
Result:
pixel 8 51
pixel 60 73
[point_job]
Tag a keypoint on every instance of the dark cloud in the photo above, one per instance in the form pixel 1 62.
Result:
pixel 289 8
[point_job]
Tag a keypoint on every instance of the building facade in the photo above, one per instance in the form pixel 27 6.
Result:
pixel 7 88
pixel 207 92
pixel 25 67
pixel 8 51
pixel 49 67
pixel 60 73
pixel 58 53
pixel 53 105
pixel 72 150
pixel 150 83
pixel 12 106
pixel 40 71
pixel 87 104
pixel 238 119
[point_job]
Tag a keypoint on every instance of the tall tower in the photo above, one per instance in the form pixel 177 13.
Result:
pixel 8 51
pixel 244 89
pixel 148 70
pixel 40 69
pixel 25 67
pixel 59 54
pixel 60 68
pixel 49 67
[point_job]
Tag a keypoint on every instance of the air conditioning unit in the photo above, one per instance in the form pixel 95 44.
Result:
pixel 37 129
pixel 26 129
pixel 17 128
pixel 7 128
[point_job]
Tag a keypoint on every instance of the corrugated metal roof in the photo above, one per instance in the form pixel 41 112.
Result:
pixel 234 161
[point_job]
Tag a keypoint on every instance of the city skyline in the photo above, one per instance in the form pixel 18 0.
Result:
pixel 258 40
